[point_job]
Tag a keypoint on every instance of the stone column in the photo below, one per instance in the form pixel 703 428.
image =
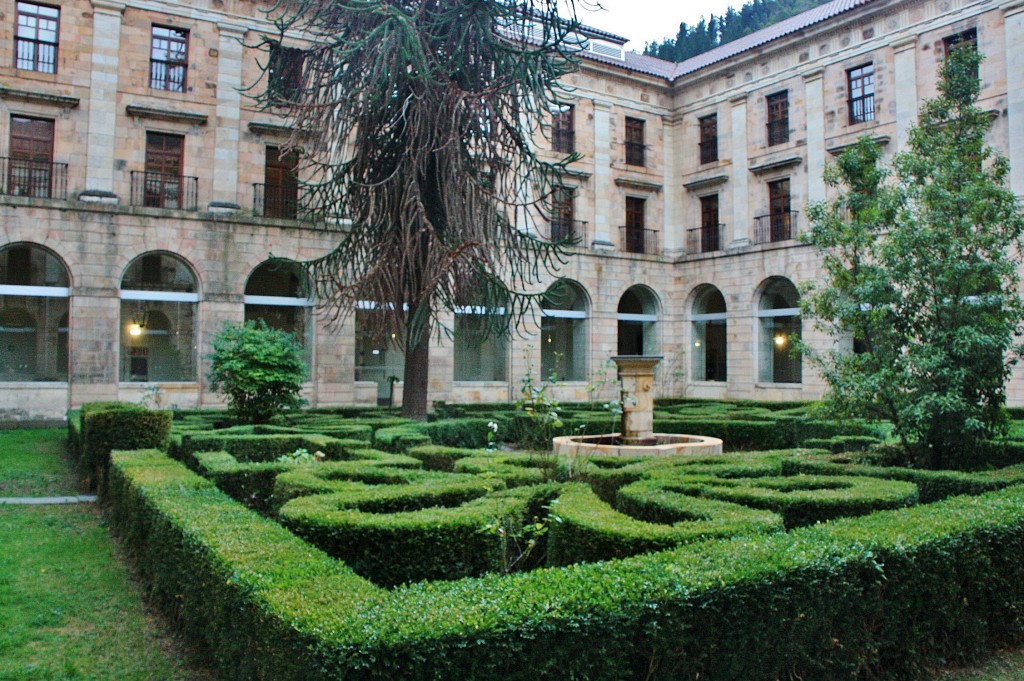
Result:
pixel 739 169
pixel 814 98
pixel 229 101
pixel 906 88
pixel 673 226
pixel 101 138
pixel 1013 13
pixel 604 187
pixel 637 376
pixel 95 333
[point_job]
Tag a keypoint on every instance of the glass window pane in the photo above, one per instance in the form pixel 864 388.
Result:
pixel 33 338
pixel 157 341
pixel 478 358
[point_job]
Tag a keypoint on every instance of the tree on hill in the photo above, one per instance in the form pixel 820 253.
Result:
pixel 709 34
pixel 418 117
pixel 921 273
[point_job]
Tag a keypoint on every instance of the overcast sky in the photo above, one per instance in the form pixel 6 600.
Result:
pixel 643 21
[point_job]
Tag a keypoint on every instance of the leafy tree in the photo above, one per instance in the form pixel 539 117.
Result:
pixel 260 370
pixel 418 117
pixel 920 271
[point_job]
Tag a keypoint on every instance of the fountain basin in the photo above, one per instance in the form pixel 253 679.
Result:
pixel 659 444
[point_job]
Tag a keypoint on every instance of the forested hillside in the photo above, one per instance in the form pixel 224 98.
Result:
pixel 709 34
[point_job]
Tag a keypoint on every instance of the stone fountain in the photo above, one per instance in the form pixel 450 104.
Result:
pixel 636 436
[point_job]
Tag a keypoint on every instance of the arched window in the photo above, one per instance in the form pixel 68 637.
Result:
pixel 637 316
pixel 278 293
pixel 709 335
pixel 778 315
pixel 563 333
pixel 34 290
pixel 159 301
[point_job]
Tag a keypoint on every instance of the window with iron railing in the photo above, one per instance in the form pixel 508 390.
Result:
pixel 636 238
pixel 780 223
pixel 563 222
pixel 279 196
pixel 563 129
pixel 710 229
pixel 284 73
pixel 861 86
pixel 708 139
pixel 30 170
pixel 964 40
pixel 635 146
pixel 778 118
pixel 168 59
pixel 35 37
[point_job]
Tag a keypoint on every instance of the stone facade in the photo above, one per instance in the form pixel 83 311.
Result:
pixel 102 108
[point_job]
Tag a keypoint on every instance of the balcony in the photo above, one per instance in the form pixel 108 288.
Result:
pixel 38 179
pixel 572 230
pixel 778 131
pixel 636 154
pixel 563 141
pixel 639 240
pixel 776 227
pixel 275 201
pixel 708 151
pixel 704 239
pixel 164 190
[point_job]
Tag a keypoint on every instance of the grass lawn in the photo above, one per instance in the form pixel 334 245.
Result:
pixel 67 603
pixel 33 464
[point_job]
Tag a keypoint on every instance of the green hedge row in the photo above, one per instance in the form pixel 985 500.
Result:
pixel 827 602
pixel 100 427
pixel 268 447
pixel 584 528
pixel 253 483
pixel 800 499
pixel 419 531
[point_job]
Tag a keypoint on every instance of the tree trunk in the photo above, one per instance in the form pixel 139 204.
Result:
pixel 417 376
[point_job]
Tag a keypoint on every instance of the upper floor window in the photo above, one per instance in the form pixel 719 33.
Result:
pixel 284 73
pixel 168 59
pixel 281 189
pixel 778 118
pixel 563 129
pixel 861 81
pixel 161 184
pixel 563 215
pixel 30 169
pixel 635 142
pixel 968 38
pixel 709 139
pixel 35 40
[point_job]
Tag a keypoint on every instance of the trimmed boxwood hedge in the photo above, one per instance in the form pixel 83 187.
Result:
pixel 106 426
pixel 801 499
pixel 584 528
pixel 818 603
pixel 268 447
pixel 430 532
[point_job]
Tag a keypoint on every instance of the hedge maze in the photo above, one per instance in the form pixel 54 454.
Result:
pixel 408 551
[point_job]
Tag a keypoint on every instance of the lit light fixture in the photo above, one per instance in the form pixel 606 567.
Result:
pixel 134 330
pixel 696 344
pixel 780 340
pixel 138 324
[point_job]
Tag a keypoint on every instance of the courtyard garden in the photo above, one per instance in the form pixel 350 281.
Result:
pixel 353 543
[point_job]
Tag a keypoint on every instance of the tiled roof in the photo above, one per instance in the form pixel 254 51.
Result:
pixel 671 71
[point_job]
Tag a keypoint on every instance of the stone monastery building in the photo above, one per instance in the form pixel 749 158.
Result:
pixel 142 192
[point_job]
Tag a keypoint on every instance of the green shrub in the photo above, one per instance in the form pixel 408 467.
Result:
pixel 827 602
pixel 253 448
pixel 649 518
pixel 114 425
pixel 259 369
pixel 513 469
pixel 423 530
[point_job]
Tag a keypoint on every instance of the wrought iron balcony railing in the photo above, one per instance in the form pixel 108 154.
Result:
pixel 574 230
pixel 563 141
pixel 275 201
pixel 775 227
pixel 778 132
pixel 708 151
pixel 40 179
pixel 704 239
pixel 164 190
pixel 636 154
pixel 639 240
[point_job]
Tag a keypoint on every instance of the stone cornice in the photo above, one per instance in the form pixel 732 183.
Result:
pixel 62 101
pixel 270 129
pixel 837 149
pixel 637 184
pixel 706 181
pixel 192 118
pixel 777 164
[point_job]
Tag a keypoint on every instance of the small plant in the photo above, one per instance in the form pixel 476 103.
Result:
pixel 518 542
pixel 302 455
pixel 539 410
pixel 492 436
pixel 152 397
pixel 260 370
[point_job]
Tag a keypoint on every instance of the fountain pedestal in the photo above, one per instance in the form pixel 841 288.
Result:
pixel 637 436
pixel 636 373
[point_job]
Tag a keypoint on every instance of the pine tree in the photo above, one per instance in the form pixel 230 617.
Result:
pixel 417 117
